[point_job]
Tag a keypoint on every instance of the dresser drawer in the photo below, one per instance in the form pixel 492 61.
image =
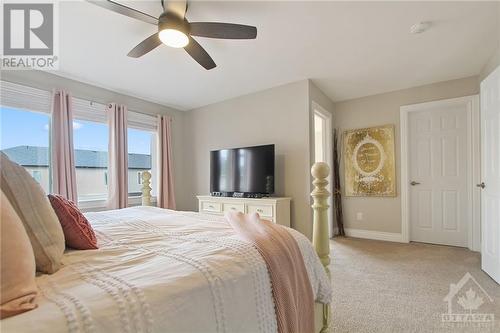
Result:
pixel 273 209
pixel 234 207
pixel 262 210
pixel 210 206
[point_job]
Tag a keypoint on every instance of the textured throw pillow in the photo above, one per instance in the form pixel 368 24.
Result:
pixel 77 230
pixel 33 208
pixel 17 266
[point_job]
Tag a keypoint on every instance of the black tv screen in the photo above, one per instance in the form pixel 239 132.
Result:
pixel 244 170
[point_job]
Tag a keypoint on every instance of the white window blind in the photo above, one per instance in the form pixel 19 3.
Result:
pixel 23 97
pixel 93 111
pixel 141 121
pixel 27 98
pixel 88 110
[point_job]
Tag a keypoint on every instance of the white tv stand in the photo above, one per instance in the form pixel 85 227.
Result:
pixel 276 209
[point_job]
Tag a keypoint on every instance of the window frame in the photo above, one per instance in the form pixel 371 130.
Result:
pixel 29 99
pixel 145 122
pixel 87 110
pixel 101 196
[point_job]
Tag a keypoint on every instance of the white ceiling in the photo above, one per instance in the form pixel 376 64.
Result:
pixel 349 49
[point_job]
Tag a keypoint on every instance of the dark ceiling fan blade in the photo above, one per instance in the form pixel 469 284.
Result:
pixel 223 30
pixel 125 10
pixel 199 54
pixel 178 7
pixel 145 46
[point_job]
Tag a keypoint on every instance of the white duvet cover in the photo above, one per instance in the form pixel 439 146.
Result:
pixel 159 270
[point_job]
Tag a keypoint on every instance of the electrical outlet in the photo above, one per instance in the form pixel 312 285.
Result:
pixel 359 216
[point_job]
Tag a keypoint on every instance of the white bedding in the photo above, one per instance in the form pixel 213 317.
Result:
pixel 162 271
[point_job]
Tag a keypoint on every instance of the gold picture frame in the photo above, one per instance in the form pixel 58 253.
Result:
pixel 369 162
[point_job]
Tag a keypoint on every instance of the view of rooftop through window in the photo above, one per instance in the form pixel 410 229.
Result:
pixel 25 139
pixel 140 145
pixel 90 140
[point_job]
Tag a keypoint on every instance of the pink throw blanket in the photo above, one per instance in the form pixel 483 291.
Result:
pixel 292 292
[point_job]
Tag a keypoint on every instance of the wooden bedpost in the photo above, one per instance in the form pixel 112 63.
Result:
pixel 146 188
pixel 321 237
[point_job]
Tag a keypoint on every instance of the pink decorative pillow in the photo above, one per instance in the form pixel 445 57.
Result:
pixel 78 232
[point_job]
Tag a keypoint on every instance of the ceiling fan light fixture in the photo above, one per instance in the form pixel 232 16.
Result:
pixel 173 38
pixel 173 30
pixel 176 31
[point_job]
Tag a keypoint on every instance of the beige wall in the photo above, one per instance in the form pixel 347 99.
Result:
pixel 494 61
pixel 48 81
pixel 383 214
pixel 318 97
pixel 280 116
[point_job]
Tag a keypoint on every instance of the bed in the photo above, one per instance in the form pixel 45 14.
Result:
pixel 160 270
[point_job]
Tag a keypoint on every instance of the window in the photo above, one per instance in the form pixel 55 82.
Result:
pixel 25 129
pixel 319 134
pixel 90 141
pixel 141 153
pixel 25 140
pixel 37 175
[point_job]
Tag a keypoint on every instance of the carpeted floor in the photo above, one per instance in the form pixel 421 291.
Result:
pixel 391 287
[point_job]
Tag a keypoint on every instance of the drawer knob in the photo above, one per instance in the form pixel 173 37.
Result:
pixel 210 206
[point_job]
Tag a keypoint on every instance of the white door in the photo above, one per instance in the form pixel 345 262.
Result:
pixel 490 174
pixel 323 149
pixel 438 173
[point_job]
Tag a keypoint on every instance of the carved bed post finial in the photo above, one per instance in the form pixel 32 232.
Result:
pixel 320 194
pixel 321 239
pixel 146 188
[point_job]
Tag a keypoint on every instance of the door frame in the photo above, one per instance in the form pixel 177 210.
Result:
pixel 328 139
pixel 473 166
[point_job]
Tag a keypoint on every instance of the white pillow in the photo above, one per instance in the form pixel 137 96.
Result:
pixel 33 208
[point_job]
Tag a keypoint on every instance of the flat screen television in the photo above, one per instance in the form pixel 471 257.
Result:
pixel 247 171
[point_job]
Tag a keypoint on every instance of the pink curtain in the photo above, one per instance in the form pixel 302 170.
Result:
pixel 166 197
pixel 117 156
pixel 62 154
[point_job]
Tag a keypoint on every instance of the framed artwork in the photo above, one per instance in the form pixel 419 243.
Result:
pixel 370 168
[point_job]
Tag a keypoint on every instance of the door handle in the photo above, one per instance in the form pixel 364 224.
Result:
pixel 413 183
pixel 482 185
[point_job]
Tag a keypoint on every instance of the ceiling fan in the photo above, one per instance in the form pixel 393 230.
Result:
pixel 175 30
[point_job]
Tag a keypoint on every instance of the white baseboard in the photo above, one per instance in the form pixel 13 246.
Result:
pixel 376 235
